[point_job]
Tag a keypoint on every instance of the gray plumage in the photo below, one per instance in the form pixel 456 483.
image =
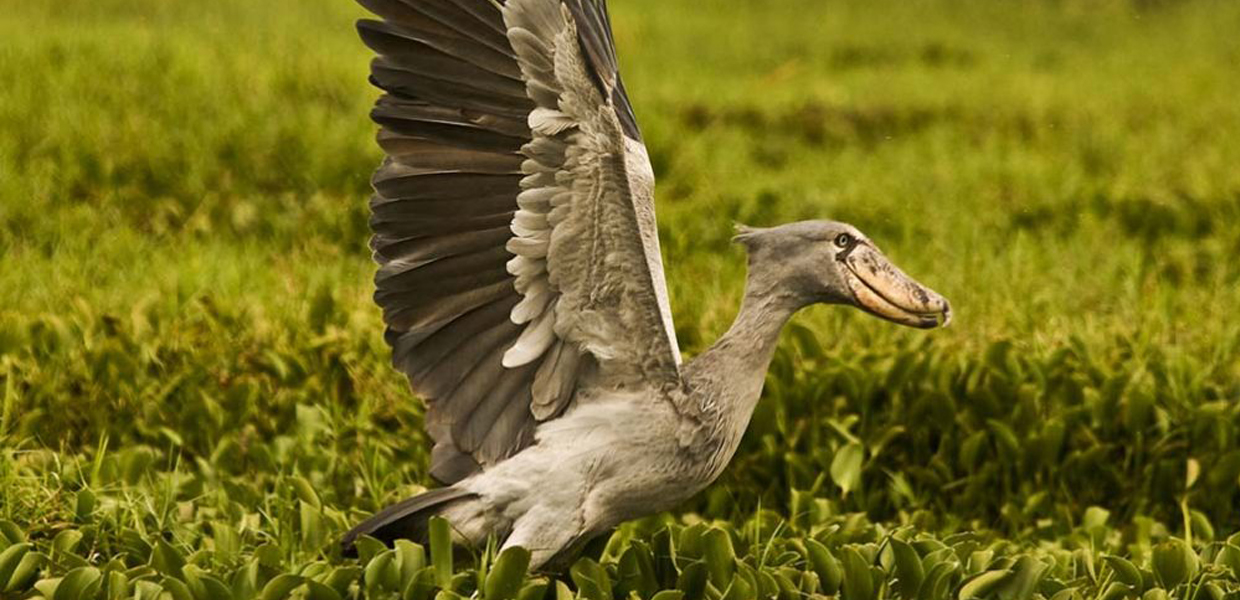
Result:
pixel 522 285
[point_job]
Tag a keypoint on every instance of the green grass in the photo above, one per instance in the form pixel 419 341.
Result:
pixel 194 392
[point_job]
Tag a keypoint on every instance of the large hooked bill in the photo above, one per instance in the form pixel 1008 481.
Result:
pixel 882 289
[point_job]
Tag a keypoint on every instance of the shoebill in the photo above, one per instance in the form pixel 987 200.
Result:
pixel 522 287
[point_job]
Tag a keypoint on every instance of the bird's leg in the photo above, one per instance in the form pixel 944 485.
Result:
pixel 546 533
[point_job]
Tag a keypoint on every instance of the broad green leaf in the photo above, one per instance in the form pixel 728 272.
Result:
pixel 1155 594
pixel 167 560
pixel 1027 573
pixel 591 580
pixel 635 572
pixel 846 466
pixel 909 571
pixel 367 548
pixel 1125 571
pixel 176 588
pixel 1229 557
pixel 692 581
pixel 11 532
pixel 669 595
pixel 830 573
pixel 281 587
pixel 79 584
pixel 1174 563
pixel 720 556
pixel 26 572
pixel 534 589
pixel 66 541
pixel 319 591
pixel 859 583
pixel 507 575
pixel 381 574
pixel 981 585
pixel 441 550
pixel 305 491
pixel 410 558
pixel 9 559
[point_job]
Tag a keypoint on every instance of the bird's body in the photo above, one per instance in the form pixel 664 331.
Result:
pixel 624 452
pixel 522 283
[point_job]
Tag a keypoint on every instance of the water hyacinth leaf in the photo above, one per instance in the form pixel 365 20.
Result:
pixel 562 591
pixel 635 572
pixel 1155 594
pixel 909 571
pixel 11 533
pixel 846 466
pixel 1202 528
pixel 319 591
pixel 937 581
pixel 84 505
pixel 507 574
pixel 368 548
pixel 739 589
pixel 176 588
pixel 245 581
pixel 669 595
pixel 1116 591
pixel 1027 574
pixel 441 550
pixel 720 556
pixel 167 560
pixel 80 583
pixel 768 587
pixel 147 590
pixel 1125 571
pixel 381 574
pixel 981 585
pixel 117 586
pixel 410 558
pixel 305 491
pixel 281 587
pixel 341 577
pixel 692 581
pixel 66 541
pixel 1174 563
pixel 1229 557
pixel 858 580
pixel 27 571
pixel 534 589
pixel 422 586
pixel 212 589
pixel 830 572
pixel 1095 517
pixel 810 583
pixel 9 559
pixel 47 587
pixel 591 580
pixel 689 543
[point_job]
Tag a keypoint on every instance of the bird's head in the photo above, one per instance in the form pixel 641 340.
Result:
pixel 834 263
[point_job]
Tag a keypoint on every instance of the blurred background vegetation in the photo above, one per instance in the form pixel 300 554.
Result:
pixel 188 346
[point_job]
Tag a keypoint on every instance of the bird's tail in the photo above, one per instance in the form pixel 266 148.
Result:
pixel 404 520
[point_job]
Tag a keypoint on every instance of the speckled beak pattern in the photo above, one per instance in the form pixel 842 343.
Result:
pixel 882 289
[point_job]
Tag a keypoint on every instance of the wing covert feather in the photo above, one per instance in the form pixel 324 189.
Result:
pixel 512 226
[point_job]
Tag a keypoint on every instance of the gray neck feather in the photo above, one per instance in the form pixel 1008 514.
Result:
pixel 726 380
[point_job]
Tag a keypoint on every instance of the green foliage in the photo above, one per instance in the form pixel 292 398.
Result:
pixel 195 400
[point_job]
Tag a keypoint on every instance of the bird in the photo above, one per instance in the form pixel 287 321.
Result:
pixel 522 287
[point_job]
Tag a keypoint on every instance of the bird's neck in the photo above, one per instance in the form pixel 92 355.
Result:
pixel 730 374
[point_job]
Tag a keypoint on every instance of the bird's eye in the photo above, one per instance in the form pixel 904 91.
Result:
pixel 843 240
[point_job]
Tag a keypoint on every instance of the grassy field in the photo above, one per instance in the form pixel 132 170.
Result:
pixel 195 398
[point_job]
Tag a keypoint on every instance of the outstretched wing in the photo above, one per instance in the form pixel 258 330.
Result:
pixel 513 218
